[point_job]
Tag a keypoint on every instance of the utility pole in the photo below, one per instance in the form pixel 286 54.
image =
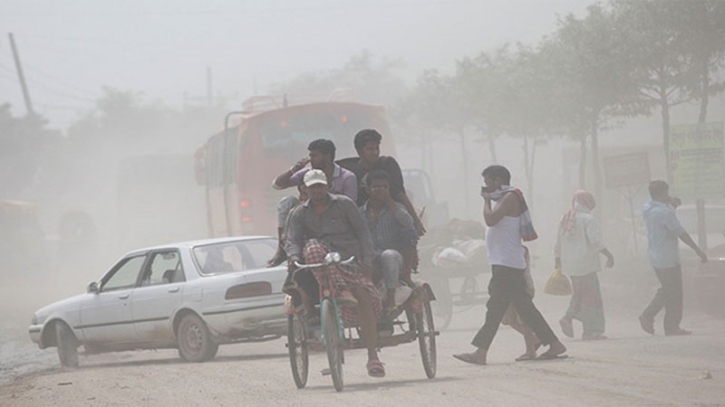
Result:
pixel 21 77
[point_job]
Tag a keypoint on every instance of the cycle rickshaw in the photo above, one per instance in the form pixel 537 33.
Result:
pixel 413 321
pixel 458 284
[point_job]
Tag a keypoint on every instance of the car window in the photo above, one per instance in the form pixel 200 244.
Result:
pixel 125 276
pixel 234 256
pixel 260 251
pixel 164 268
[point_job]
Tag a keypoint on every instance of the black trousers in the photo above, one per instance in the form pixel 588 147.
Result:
pixel 669 297
pixel 508 287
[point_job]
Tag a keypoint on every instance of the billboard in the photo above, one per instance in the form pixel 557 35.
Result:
pixel 697 160
pixel 625 170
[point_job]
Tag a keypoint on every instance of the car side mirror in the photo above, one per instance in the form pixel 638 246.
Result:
pixel 93 288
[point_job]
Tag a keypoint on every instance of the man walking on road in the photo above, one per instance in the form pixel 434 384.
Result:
pixel 508 224
pixel 663 231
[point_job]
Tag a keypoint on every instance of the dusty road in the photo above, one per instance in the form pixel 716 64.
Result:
pixel 630 369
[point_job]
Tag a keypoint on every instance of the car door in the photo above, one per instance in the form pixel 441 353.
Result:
pixel 106 317
pixel 256 253
pixel 260 298
pixel 158 295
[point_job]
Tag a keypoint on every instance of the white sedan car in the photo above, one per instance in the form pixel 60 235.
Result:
pixel 192 296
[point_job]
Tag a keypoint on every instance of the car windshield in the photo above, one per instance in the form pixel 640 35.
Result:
pixel 240 255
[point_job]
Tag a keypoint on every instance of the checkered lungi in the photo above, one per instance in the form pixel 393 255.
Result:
pixel 342 278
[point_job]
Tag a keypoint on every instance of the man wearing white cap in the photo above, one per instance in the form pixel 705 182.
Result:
pixel 326 223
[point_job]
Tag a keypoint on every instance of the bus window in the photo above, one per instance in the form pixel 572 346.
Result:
pixel 230 156
pixel 216 155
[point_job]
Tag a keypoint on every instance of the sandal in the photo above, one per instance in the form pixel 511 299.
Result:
pixel 375 368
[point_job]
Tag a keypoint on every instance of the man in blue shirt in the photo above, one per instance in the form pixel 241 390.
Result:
pixel 663 232
pixel 394 238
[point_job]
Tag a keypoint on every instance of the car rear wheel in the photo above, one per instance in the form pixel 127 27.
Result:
pixel 67 345
pixel 194 339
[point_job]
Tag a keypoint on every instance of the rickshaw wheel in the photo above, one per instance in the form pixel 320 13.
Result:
pixel 443 306
pixel 427 339
pixel 297 346
pixel 469 289
pixel 333 342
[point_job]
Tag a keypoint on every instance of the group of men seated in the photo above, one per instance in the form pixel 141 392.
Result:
pixel 356 207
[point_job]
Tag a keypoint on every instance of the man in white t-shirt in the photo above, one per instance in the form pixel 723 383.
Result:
pixel 508 224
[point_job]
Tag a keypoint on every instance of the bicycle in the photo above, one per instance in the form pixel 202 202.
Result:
pixel 331 331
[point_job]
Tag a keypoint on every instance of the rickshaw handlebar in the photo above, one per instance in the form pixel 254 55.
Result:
pixel 301 266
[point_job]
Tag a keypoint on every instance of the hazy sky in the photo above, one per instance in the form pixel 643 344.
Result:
pixel 71 48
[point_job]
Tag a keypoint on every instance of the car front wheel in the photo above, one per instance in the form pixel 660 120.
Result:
pixel 67 345
pixel 195 343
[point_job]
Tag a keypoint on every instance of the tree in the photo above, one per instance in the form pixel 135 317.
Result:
pixel 595 83
pixel 371 82
pixel 703 26
pixel 25 143
pixel 670 62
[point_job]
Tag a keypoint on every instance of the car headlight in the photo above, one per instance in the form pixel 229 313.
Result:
pixel 34 320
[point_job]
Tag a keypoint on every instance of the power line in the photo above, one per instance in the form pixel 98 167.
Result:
pixel 51 89
pixel 41 72
pixel 61 82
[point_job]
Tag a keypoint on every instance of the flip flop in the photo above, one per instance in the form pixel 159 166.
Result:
pixel 468 358
pixel 550 356
pixel 375 368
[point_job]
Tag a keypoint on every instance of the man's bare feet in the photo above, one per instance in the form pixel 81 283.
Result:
pixel 476 358
pixel 527 356
pixel 566 327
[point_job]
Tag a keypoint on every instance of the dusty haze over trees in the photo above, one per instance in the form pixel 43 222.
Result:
pixel 620 59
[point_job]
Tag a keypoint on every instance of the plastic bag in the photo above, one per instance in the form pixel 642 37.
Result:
pixel 557 284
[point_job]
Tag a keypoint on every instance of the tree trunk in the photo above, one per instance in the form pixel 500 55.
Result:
pixel 431 156
pixel 583 161
pixel 492 148
pixel 529 159
pixel 464 154
pixel 596 165
pixel 700 203
pixel 666 131
pixel 705 91
pixel 424 151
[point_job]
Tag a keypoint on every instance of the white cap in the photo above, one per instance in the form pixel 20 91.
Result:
pixel 313 177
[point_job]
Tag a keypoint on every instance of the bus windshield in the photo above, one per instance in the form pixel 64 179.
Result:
pixel 289 137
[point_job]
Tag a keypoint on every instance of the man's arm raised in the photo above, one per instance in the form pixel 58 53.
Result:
pixel 282 180
pixel 508 205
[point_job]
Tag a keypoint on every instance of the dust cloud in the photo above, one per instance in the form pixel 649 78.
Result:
pixel 114 165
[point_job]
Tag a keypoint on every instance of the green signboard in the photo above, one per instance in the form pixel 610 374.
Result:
pixel 697 161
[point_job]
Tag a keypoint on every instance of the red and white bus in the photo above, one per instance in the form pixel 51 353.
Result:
pixel 238 166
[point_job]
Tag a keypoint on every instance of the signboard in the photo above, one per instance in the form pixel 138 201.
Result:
pixel 697 160
pixel 626 170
